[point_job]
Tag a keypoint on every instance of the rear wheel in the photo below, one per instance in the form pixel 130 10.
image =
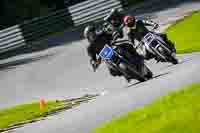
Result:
pixel 149 73
pixel 143 79
pixel 139 75
pixel 130 72
pixel 173 58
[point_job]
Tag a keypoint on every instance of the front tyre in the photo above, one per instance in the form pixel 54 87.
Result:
pixel 174 60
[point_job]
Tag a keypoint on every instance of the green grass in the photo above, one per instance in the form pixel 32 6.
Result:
pixel 28 113
pixel 186 34
pixel 21 113
pixel 179 112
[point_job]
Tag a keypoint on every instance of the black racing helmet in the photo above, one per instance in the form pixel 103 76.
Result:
pixel 115 17
pixel 90 32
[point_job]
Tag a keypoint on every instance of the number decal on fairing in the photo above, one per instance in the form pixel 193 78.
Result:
pixel 106 53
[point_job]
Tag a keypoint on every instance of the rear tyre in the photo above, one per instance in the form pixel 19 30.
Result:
pixel 129 71
pixel 141 76
pixel 149 75
pixel 143 79
pixel 147 72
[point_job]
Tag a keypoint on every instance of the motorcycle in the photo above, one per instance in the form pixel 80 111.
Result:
pixel 152 45
pixel 119 58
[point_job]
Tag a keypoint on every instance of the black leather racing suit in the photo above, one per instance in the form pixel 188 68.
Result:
pixel 116 20
pixel 102 39
pixel 97 45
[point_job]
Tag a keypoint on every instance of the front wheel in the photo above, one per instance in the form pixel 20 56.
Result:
pixel 174 61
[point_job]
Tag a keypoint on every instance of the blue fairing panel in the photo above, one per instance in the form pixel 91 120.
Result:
pixel 106 53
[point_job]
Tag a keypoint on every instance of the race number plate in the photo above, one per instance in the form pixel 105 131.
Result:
pixel 106 53
pixel 148 38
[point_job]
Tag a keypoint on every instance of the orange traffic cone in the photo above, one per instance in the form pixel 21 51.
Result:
pixel 42 104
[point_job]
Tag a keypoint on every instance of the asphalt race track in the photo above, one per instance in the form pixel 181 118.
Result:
pixel 64 72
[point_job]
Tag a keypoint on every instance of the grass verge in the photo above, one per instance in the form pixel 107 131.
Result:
pixel 186 34
pixel 22 114
pixel 179 112
pixel 12 116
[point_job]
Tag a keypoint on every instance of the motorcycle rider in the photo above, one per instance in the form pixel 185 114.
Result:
pixel 97 40
pixel 115 18
pixel 137 30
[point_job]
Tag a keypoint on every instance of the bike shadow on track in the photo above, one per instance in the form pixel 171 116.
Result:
pixel 157 76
